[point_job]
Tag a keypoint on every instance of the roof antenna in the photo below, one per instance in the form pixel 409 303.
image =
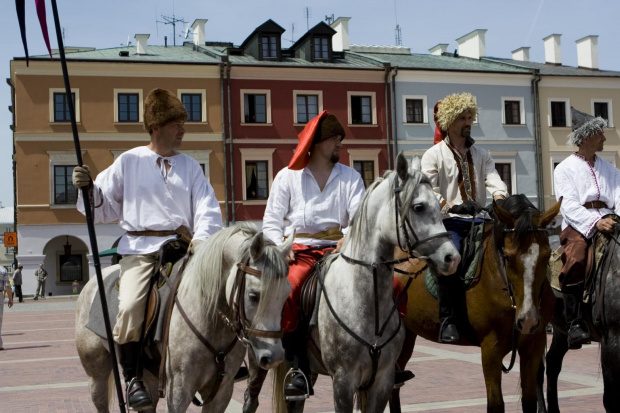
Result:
pixel 173 21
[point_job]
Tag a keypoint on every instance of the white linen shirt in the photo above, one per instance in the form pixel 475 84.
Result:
pixel 295 197
pixel 439 165
pixel 576 182
pixel 136 193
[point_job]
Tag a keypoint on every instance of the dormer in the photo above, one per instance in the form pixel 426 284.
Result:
pixel 316 44
pixel 265 42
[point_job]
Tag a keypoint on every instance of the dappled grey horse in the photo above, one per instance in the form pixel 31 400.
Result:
pixel 210 280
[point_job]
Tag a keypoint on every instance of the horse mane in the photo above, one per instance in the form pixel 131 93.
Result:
pixel 359 225
pixel 522 210
pixel 203 274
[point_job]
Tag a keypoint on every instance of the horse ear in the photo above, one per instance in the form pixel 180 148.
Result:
pixel 503 215
pixel 546 218
pixel 402 167
pixel 258 246
pixel 416 164
pixel 288 244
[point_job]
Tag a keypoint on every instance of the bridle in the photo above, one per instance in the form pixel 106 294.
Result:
pixel 374 349
pixel 238 323
pixel 508 287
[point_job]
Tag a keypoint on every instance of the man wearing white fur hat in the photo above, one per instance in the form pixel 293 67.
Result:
pixel 590 190
pixel 461 174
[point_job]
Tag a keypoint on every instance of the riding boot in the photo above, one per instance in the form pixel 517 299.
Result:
pixel 255 384
pixel 296 343
pixel 448 333
pixel 137 396
pixel 578 333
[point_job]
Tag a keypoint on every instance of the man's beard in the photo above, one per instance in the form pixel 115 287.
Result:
pixel 335 157
pixel 466 132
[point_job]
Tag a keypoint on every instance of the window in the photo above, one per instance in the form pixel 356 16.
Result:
pixel 193 105
pixel 505 172
pixel 321 48
pixel 70 267
pixel 64 191
pixel 256 106
pixel 258 173
pixel 558 112
pixel 128 105
pixel 61 107
pixel 307 107
pixel 415 110
pixel 269 47
pixel 128 108
pixel 513 110
pixel 367 170
pixel 361 110
pixel 202 157
pixel 256 183
pixel 603 108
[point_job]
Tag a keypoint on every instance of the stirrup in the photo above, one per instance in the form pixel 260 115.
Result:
pixel 291 373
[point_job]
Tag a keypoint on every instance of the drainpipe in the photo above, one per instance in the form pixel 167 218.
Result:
pixel 395 134
pixel 222 68
pixel 230 145
pixel 389 131
pixel 13 127
pixel 540 188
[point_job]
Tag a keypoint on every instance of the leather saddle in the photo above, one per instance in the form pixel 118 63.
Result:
pixel 595 254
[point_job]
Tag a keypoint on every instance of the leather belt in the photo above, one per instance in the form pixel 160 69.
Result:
pixel 595 205
pixel 183 233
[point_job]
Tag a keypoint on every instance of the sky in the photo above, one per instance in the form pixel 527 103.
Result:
pixel 423 24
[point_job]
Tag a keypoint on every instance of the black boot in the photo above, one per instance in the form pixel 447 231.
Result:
pixel 400 377
pixel 578 333
pixel 448 333
pixel 297 352
pixel 255 384
pixel 297 386
pixel 137 396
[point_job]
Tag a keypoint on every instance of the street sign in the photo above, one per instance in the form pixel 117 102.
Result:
pixel 10 239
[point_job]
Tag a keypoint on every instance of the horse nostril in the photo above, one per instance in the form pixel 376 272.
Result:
pixel 449 258
pixel 265 361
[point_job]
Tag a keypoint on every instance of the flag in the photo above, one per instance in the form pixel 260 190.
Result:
pixel 21 18
pixel 43 22
pixel 20 6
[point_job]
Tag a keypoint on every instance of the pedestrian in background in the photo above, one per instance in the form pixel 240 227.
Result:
pixel 17 282
pixel 41 275
pixel 6 283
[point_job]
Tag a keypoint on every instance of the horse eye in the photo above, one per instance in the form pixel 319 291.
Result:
pixel 418 207
pixel 254 297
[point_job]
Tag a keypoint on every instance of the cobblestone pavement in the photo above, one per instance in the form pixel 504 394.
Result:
pixel 40 372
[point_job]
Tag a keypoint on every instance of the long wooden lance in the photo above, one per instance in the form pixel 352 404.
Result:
pixel 88 212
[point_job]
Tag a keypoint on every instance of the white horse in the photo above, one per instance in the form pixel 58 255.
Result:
pixel 358 333
pixel 211 277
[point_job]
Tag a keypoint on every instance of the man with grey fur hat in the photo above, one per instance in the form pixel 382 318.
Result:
pixel 590 190
pixel 157 194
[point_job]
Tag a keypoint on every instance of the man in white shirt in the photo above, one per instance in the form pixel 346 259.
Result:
pixel 316 197
pixel 590 190
pixel 461 174
pixel 6 288
pixel 156 194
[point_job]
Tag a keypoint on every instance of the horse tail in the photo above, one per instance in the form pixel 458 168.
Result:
pixel 111 390
pixel 278 401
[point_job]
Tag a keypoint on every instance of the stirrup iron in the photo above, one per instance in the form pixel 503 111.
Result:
pixel 291 373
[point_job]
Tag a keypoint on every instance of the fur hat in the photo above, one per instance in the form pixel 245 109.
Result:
pixel 452 106
pixel 161 107
pixel 584 126
pixel 318 129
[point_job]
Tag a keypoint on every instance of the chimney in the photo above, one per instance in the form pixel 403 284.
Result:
pixel 439 49
pixel 340 41
pixel 553 49
pixel 587 52
pixel 522 54
pixel 472 44
pixel 141 40
pixel 198 28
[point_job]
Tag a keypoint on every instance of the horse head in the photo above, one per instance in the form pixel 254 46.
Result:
pixel 259 295
pixel 419 226
pixel 522 242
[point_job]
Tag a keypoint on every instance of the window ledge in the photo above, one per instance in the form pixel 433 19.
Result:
pixel 127 123
pixel 68 123
pixel 362 125
pixel 513 124
pixel 63 206
pixel 415 124
pixel 254 202
pixel 256 124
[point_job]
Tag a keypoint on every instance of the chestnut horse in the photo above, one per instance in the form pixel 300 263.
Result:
pixel 507 306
